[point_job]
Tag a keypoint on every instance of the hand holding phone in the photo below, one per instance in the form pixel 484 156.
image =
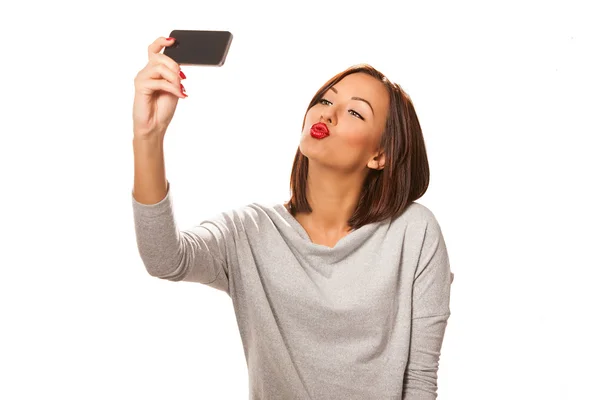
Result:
pixel 208 48
pixel 158 87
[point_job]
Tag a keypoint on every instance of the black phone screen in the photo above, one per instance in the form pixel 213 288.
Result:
pixel 199 47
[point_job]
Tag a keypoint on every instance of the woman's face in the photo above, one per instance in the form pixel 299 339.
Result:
pixel 355 112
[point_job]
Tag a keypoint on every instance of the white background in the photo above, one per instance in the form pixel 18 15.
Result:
pixel 507 94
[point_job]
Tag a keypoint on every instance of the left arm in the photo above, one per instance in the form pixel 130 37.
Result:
pixel 431 310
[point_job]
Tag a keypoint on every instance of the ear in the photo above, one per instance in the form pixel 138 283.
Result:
pixel 377 162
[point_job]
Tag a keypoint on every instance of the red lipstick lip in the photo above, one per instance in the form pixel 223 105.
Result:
pixel 319 130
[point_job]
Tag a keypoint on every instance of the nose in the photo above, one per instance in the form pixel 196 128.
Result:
pixel 328 114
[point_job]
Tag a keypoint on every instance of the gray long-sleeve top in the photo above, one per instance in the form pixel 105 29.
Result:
pixel 362 320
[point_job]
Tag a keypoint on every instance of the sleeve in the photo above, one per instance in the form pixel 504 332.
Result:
pixel 430 313
pixel 198 254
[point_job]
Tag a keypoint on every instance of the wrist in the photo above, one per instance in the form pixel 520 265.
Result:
pixel 152 140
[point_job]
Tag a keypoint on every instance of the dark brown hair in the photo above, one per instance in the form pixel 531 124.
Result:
pixel 405 176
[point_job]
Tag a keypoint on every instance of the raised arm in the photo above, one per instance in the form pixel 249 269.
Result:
pixel 157 91
pixel 198 254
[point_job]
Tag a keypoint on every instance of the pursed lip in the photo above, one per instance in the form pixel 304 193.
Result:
pixel 320 129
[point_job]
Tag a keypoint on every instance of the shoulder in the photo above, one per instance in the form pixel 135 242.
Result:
pixel 249 215
pixel 418 213
pixel 418 223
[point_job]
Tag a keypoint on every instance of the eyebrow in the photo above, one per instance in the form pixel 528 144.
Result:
pixel 356 98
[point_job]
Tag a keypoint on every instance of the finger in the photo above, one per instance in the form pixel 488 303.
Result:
pixel 156 72
pixel 165 60
pixel 154 85
pixel 156 46
pixel 161 71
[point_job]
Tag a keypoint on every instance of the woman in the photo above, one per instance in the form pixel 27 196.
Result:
pixel 343 291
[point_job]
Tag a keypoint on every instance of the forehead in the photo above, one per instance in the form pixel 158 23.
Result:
pixel 363 85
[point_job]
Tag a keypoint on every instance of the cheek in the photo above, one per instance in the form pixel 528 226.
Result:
pixel 311 115
pixel 356 139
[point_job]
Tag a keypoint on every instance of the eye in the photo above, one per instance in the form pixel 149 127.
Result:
pixel 326 102
pixel 356 114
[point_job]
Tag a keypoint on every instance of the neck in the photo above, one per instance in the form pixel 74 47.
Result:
pixel 333 197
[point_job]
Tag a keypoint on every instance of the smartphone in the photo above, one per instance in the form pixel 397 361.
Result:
pixel 199 47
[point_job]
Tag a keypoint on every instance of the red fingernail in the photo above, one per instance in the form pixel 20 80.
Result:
pixel 181 74
pixel 183 90
pixel 170 38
